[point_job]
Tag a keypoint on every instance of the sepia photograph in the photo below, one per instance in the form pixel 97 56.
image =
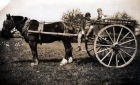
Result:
pixel 69 42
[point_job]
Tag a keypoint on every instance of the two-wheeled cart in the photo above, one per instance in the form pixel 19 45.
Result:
pixel 113 42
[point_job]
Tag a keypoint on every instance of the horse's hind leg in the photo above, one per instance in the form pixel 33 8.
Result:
pixel 68 52
pixel 33 46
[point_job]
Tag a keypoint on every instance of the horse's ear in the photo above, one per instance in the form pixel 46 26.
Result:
pixel 8 16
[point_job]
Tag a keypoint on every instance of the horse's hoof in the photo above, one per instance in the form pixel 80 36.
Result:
pixel 34 63
pixel 63 62
pixel 70 60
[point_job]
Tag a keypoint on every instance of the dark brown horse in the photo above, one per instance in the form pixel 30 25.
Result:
pixel 23 24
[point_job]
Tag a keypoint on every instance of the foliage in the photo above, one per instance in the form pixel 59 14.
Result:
pixel 73 18
pixel 122 15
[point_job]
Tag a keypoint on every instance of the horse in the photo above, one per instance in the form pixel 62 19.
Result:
pixel 23 24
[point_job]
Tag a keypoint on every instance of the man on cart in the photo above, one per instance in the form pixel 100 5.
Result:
pixel 88 26
pixel 100 17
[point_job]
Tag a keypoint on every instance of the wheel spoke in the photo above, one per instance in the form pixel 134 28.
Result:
pixel 104 45
pixel 119 34
pixel 99 48
pixel 128 47
pixel 103 50
pixel 104 39
pixel 91 49
pixel 125 36
pixel 125 52
pixel 109 36
pixel 114 34
pixel 91 38
pixel 122 57
pixel 106 55
pixel 110 59
pixel 126 41
pixel 116 60
pixel 90 44
pixel 106 48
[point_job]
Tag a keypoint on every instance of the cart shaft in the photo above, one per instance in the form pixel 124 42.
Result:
pixel 54 33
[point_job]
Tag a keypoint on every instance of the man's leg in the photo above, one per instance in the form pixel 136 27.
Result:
pixel 89 31
pixel 79 41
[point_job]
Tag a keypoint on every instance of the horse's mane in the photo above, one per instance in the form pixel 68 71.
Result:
pixel 17 17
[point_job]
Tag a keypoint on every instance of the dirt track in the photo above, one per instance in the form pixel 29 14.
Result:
pixel 15 69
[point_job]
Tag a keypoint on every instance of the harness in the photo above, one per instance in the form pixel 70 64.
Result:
pixel 26 27
pixel 40 29
pixel 25 30
pixel 65 30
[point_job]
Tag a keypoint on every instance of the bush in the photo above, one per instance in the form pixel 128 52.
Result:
pixel 73 18
pixel 122 15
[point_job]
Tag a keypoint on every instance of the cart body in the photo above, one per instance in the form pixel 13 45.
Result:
pixel 114 44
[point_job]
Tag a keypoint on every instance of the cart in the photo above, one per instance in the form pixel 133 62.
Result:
pixel 113 42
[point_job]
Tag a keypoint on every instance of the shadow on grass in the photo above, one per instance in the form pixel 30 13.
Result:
pixel 43 61
pixel 88 60
pixel 79 61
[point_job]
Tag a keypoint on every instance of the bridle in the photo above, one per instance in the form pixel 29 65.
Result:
pixel 14 24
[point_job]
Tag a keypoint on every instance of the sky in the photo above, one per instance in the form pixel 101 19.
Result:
pixel 52 10
pixel 3 3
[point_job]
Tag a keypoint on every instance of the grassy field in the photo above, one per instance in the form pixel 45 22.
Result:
pixel 15 69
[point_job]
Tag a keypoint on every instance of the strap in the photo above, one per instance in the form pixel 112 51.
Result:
pixel 40 29
pixel 25 29
pixel 64 27
pixel 26 26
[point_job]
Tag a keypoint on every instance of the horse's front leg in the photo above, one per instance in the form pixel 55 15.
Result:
pixel 68 53
pixel 33 46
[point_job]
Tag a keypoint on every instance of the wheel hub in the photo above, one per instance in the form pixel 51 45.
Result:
pixel 115 47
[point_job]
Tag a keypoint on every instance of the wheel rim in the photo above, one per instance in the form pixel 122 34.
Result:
pixel 115 46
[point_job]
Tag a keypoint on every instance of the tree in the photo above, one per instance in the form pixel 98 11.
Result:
pixel 73 18
pixel 122 15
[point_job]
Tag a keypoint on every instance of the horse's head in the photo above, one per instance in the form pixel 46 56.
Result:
pixel 10 23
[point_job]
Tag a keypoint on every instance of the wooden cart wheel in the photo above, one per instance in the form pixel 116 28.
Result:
pixel 89 44
pixel 115 46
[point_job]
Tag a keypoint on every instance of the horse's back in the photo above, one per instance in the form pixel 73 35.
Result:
pixel 54 27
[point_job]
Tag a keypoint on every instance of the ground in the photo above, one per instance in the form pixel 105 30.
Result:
pixel 15 68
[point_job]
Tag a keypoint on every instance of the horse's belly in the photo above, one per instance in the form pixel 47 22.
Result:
pixel 49 38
